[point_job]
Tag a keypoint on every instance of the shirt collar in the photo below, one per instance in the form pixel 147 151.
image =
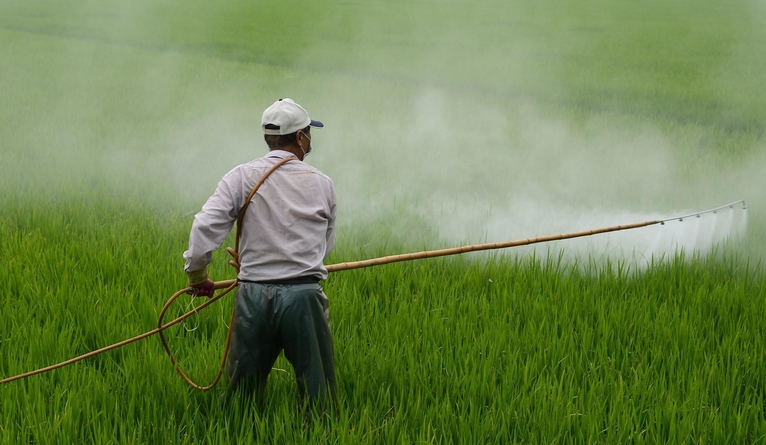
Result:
pixel 280 154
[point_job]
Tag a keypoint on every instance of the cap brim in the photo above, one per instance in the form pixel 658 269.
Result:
pixel 316 124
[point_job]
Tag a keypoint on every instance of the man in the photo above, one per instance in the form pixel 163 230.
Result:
pixel 287 231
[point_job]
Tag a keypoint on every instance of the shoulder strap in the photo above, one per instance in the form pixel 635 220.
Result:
pixel 235 252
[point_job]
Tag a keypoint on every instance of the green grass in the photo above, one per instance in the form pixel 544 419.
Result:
pixel 449 350
pixel 118 119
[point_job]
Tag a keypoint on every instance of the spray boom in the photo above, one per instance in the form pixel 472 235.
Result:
pixel 698 214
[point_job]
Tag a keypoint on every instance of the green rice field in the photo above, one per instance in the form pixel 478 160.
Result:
pixel 446 123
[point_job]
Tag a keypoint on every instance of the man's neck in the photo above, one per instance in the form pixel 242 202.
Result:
pixel 295 151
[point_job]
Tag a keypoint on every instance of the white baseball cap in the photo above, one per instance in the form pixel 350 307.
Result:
pixel 287 116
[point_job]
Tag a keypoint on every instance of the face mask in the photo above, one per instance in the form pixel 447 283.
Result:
pixel 306 153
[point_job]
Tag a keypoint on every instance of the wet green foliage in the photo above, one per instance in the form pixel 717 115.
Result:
pixel 461 350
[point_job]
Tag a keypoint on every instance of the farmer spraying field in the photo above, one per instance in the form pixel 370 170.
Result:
pixel 287 231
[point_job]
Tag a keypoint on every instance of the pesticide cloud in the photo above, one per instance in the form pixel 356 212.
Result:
pixel 481 162
pixel 528 175
pixel 460 127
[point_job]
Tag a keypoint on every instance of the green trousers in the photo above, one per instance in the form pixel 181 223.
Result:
pixel 271 318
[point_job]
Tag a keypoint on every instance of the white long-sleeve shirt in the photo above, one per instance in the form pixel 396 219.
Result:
pixel 288 229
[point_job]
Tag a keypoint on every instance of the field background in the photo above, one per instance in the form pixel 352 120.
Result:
pixel 446 123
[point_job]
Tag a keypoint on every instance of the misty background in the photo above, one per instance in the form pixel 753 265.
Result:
pixel 446 122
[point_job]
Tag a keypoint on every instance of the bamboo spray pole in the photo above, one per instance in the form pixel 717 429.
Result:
pixel 464 249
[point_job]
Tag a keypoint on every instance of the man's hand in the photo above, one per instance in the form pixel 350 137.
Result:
pixel 203 289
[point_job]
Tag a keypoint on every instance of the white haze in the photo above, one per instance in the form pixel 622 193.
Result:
pixel 525 175
pixel 468 164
